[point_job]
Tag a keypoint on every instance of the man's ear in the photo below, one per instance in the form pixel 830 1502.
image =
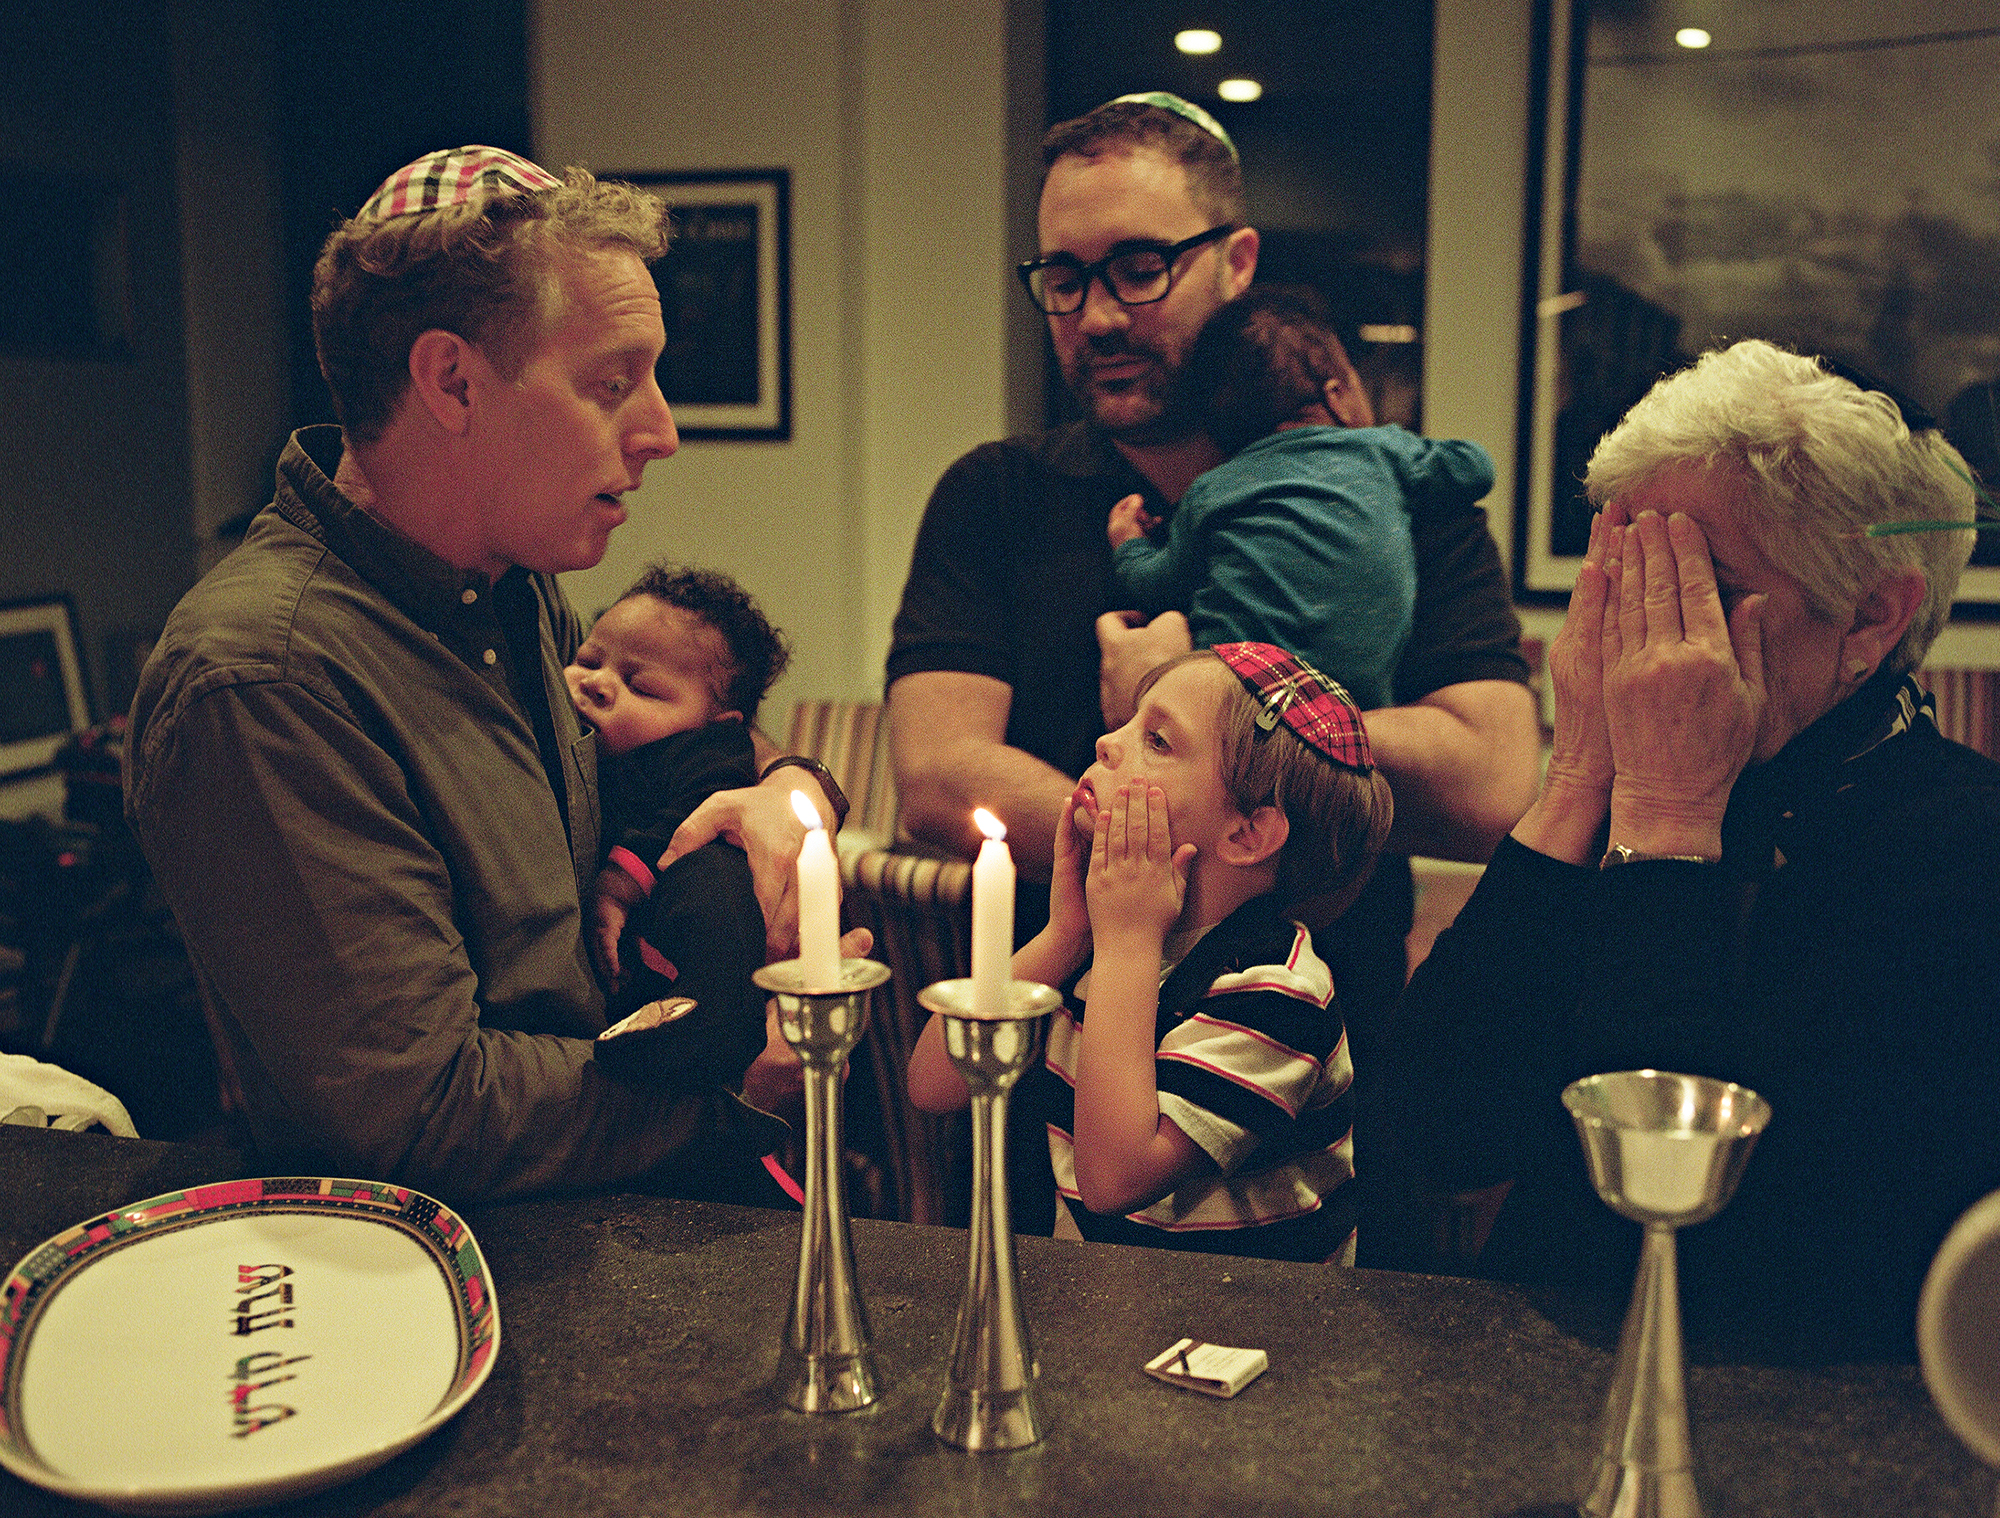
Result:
pixel 1879 621
pixel 1256 837
pixel 1239 254
pixel 440 376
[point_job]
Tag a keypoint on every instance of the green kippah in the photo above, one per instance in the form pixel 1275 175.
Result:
pixel 1187 110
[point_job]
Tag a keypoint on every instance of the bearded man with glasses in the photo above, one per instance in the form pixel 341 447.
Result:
pixel 1104 352
pixel 1010 652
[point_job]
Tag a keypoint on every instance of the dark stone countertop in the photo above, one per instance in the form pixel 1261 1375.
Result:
pixel 639 1337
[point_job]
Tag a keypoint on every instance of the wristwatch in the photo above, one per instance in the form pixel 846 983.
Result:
pixel 819 772
pixel 1618 853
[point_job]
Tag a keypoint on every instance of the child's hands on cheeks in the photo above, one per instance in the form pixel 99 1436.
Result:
pixel 1137 882
pixel 1069 915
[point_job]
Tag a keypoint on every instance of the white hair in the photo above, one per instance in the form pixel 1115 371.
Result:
pixel 1815 461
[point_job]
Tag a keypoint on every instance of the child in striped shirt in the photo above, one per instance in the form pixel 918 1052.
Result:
pixel 1195 1086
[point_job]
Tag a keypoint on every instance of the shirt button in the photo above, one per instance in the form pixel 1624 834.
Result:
pixel 490 657
pixel 468 595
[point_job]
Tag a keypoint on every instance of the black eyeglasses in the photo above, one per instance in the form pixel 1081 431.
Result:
pixel 1136 273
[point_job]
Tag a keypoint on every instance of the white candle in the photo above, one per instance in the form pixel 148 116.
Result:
pixel 819 903
pixel 992 918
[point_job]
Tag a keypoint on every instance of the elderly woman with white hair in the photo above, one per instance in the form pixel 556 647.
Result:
pixel 1755 858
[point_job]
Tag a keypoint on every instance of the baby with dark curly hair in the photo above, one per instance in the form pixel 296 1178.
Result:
pixel 1299 535
pixel 670 678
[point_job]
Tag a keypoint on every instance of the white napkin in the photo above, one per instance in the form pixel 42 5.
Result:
pixel 68 1101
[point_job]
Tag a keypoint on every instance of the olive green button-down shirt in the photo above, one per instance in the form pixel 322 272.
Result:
pixel 377 865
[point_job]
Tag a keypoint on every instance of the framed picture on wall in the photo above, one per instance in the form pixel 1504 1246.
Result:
pixel 1820 176
pixel 43 694
pixel 725 293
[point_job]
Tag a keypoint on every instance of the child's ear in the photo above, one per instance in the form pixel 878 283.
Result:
pixel 727 717
pixel 1256 837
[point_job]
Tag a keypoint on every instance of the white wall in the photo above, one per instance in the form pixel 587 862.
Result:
pixel 892 116
pixel 1472 284
pixel 1481 68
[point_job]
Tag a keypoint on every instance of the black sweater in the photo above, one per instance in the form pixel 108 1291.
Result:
pixel 1843 960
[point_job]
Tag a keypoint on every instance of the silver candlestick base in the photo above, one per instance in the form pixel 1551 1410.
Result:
pixel 1666 1151
pixel 989 1399
pixel 825 1365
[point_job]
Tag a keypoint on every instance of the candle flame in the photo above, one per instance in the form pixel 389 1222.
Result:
pixel 808 814
pixel 990 825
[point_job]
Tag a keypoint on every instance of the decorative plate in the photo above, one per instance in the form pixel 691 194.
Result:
pixel 239 1343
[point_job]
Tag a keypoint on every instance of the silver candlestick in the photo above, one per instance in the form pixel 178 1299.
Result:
pixel 825 1365
pixel 989 1400
pixel 1666 1151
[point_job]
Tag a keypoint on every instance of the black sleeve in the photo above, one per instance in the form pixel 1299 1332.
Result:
pixel 1480 1014
pixel 1464 627
pixel 955 613
pixel 651 790
pixel 703 920
pixel 1010 572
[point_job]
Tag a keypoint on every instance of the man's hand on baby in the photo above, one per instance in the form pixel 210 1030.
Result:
pixel 1129 519
pixel 759 820
pixel 1138 879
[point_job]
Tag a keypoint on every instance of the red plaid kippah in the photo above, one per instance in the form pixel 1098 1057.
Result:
pixel 1323 715
pixel 451 178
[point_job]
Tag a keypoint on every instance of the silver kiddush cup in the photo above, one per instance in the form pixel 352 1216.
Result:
pixel 1665 1151
pixel 825 1365
pixel 989 1400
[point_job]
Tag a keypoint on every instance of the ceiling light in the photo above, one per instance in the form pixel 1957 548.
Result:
pixel 1692 36
pixel 1198 39
pixel 1239 90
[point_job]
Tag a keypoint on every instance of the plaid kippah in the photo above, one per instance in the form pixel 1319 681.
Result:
pixel 1187 110
pixel 1288 689
pixel 451 178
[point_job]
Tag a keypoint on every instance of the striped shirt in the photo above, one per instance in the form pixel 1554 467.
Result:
pixel 1253 1066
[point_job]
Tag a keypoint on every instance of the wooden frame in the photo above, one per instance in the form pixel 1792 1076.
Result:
pixel 725 291
pixel 44 695
pixel 1686 198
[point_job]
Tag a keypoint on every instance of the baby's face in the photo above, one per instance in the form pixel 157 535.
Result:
pixel 645 673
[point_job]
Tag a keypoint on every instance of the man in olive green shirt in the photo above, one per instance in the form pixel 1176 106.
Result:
pixel 353 764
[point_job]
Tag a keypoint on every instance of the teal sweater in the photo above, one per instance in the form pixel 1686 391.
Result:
pixel 1303 540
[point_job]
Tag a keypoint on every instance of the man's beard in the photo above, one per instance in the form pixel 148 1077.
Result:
pixel 1147 409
